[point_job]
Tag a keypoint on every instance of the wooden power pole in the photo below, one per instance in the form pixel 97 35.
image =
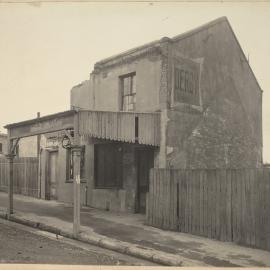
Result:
pixel 76 153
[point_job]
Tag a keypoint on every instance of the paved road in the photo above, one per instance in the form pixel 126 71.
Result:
pixel 130 228
pixel 21 244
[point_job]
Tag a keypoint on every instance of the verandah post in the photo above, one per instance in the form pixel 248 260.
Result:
pixel 10 157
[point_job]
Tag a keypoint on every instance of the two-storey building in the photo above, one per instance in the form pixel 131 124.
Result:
pixel 187 102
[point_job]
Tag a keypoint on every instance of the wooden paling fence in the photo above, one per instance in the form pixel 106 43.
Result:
pixel 227 205
pixel 25 176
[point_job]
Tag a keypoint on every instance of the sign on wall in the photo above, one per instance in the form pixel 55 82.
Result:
pixel 186 82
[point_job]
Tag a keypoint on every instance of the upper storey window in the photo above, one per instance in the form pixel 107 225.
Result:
pixel 128 92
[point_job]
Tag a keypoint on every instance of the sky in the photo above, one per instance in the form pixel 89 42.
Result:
pixel 47 48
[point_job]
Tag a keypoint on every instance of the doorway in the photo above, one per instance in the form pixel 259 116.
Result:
pixel 51 193
pixel 145 161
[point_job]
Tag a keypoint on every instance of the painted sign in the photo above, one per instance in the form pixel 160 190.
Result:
pixel 186 81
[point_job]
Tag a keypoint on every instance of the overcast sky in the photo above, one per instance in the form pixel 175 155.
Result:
pixel 46 49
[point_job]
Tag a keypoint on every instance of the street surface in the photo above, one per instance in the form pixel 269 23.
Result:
pixel 128 228
pixel 21 244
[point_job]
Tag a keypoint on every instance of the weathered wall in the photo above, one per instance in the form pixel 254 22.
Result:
pixel 112 199
pixel 81 96
pixel 226 130
pixel 28 146
pixel 102 91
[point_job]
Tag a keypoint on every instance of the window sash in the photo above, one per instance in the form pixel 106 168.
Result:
pixel 129 102
pixel 128 92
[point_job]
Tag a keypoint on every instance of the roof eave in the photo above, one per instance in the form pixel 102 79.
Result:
pixel 40 119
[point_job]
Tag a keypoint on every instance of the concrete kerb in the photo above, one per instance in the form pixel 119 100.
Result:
pixel 111 244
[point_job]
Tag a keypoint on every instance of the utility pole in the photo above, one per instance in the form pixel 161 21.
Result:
pixel 76 154
pixel 38 139
pixel 39 161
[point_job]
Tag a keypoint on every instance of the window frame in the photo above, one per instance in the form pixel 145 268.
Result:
pixel 131 93
pixel 69 160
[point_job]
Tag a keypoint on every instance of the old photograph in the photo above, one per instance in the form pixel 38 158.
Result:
pixel 135 133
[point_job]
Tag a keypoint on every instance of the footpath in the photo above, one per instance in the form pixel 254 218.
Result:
pixel 127 234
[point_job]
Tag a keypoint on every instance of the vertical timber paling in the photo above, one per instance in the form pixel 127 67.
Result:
pixel 224 204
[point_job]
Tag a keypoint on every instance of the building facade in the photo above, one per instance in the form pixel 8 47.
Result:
pixel 192 102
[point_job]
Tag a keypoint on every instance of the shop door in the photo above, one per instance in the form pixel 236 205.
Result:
pixel 145 161
pixel 52 175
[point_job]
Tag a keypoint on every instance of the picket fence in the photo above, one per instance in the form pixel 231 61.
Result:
pixel 227 205
pixel 25 176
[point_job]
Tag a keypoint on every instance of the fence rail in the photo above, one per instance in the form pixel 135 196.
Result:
pixel 25 176
pixel 227 205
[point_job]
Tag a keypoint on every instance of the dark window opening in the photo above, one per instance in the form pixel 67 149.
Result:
pixel 108 166
pixel 70 166
pixel 1 147
pixel 136 128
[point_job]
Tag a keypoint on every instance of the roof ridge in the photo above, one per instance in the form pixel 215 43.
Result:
pixel 157 42
pixel 200 28
pixel 127 52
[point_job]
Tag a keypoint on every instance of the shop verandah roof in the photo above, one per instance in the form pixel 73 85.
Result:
pixel 132 127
